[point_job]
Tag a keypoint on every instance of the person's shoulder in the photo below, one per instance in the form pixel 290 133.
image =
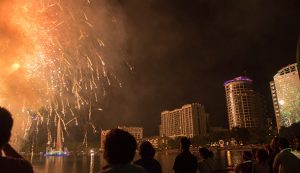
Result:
pixel 126 168
pixel 132 168
pixel 238 167
pixel 179 156
pixel 200 163
pixel 138 169
pixel 279 155
pixel 19 165
pixel 286 155
pixel 193 157
pixel 155 161
pixel 24 164
pixel 138 162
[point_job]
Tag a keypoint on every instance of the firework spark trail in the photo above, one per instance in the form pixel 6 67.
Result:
pixel 57 65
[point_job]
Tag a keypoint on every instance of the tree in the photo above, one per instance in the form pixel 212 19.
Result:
pixel 199 140
pixel 240 134
pixel 259 136
pixel 291 131
pixel 219 135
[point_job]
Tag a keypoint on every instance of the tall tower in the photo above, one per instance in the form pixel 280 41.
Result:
pixel 241 103
pixel 286 96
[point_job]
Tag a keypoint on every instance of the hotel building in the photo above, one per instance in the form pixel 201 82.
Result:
pixel 245 107
pixel 136 132
pixel 285 90
pixel 189 120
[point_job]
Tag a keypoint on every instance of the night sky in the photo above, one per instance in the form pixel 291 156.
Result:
pixel 181 51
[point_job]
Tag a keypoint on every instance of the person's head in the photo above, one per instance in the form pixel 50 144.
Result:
pixel 297 142
pixel 247 155
pixel 283 143
pixel 119 147
pixel 261 155
pixel 147 150
pixel 185 143
pixel 6 123
pixel 205 153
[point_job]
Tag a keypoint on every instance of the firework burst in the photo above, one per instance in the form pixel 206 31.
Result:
pixel 53 62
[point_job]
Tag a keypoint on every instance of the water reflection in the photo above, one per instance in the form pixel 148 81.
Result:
pixel 93 163
pixel 229 159
pixel 54 162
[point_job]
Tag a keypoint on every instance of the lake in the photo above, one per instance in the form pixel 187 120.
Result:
pixel 94 163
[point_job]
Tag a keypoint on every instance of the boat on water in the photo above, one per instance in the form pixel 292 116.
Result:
pixel 58 149
pixel 57 153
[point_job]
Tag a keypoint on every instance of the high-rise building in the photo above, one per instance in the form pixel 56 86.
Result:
pixel 136 132
pixel 275 103
pixel 286 96
pixel 189 120
pixel 245 107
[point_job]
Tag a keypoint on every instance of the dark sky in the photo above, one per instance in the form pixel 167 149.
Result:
pixel 182 51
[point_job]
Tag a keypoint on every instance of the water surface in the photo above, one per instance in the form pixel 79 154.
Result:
pixel 94 163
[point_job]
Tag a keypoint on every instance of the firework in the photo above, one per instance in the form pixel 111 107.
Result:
pixel 52 62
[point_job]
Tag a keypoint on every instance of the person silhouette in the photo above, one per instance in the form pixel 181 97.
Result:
pixel 246 165
pixel 261 162
pixel 185 162
pixel 13 162
pixel 285 161
pixel 119 151
pixel 147 161
pixel 206 163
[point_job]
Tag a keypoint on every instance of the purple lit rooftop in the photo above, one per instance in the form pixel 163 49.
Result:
pixel 240 78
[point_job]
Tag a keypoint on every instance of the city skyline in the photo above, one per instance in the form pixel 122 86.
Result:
pixel 139 59
pixel 190 49
pixel 85 85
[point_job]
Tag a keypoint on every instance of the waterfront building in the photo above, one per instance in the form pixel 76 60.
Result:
pixel 157 141
pixel 245 107
pixel 136 132
pixel 286 96
pixel 190 120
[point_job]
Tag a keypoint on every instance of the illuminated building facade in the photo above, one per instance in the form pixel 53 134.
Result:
pixel 157 141
pixel 189 120
pixel 245 107
pixel 275 103
pixel 286 96
pixel 136 132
